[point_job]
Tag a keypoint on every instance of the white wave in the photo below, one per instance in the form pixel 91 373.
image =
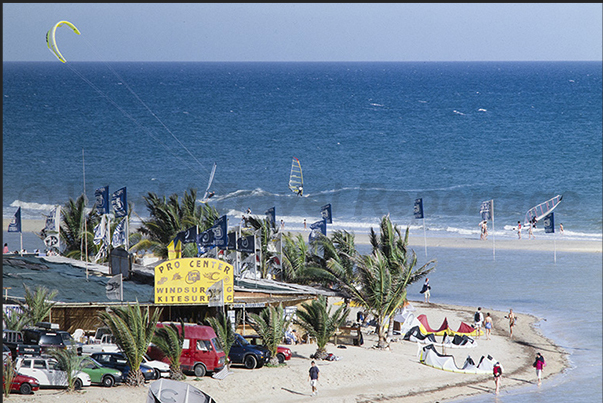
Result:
pixel 373 104
pixel 457 112
pixel 482 110
pixel 33 206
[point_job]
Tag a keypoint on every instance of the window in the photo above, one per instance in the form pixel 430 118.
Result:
pixel 217 345
pixel 26 364
pixel 186 344
pixel 39 364
pixel 204 345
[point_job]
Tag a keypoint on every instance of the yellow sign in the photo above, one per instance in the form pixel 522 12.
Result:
pixel 188 281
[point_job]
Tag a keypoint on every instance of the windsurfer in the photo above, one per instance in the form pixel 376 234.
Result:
pixel 300 190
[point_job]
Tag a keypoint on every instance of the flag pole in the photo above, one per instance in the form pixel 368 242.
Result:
pixel 85 223
pixel 424 236
pixel 493 241
pixel 121 288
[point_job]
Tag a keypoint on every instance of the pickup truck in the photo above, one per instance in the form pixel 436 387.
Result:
pixel 14 341
pixel 105 345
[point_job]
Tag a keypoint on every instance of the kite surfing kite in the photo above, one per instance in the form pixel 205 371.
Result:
pixel 51 40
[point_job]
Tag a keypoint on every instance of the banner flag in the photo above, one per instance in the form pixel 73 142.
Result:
pixel 232 240
pixel 102 199
pixel 189 236
pixel 271 216
pixel 15 224
pixel 119 235
pixel 316 228
pixel 486 210
pixel 220 231
pixel 100 230
pixel 102 252
pixel 418 208
pixel 325 213
pixel 246 244
pixel 52 241
pixel 119 202
pixel 549 223
pixel 216 294
pixel 114 287
pixel 51 221
pixel 206 238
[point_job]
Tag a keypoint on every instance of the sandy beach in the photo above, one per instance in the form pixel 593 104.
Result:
pixel 365 374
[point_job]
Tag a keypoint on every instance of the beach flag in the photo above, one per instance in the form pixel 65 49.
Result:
pixel 487 210
pixel 15 224
pixel 189 236
pixel 418 208
pixel 246 244
pixel 100 230
pixel 114 287
pixel 119 235
pixel 102 199
pixel 206 238
pixel 220 230
pixel 175 248
pixel 271 216
pixel 119 202
pixel 326 214
pixel 102 252
pixel 316 228
pixel 549 223
pixel 232 241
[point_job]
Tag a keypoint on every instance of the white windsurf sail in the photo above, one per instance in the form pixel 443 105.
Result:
pixel 543 209
pixel 296 179
pixel 207 195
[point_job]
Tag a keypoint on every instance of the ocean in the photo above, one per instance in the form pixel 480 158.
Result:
pixel 371 138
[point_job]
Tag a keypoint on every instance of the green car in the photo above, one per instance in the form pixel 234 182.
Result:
pixel 100 374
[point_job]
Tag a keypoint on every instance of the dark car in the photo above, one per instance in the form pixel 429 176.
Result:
pixel 282 353
pixel 119 361
pixel 13 340
pixel 243 352
pixel 49 339
pixel 22 384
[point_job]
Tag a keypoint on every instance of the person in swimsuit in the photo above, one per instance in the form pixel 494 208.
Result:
pixel 488 325
pixel 512 319
pixel 519 229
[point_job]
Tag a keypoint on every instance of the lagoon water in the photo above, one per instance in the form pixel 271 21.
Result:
pixel 371 138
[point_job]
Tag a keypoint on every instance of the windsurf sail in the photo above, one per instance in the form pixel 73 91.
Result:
pixel 296 179
pixel 209 194
pixel 540 211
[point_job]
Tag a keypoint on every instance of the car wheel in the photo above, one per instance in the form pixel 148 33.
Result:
pixel 251 362
pixel 108 381
pixel 281 358
pixel 157 374
pixel 25 388
pixel 200 371
pixel 78 384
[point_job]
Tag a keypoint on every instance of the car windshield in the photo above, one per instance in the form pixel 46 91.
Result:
pixel 67 339
pixel 242 340
pixel 51 339
pixel 217 345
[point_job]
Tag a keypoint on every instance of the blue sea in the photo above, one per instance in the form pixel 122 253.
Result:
pixel 371 138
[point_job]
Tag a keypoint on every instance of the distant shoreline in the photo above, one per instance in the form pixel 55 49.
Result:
pixel 418 242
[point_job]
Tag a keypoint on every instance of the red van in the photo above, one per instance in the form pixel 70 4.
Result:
pixel 201 350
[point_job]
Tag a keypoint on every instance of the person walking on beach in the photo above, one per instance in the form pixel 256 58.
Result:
pixel 478 319
pixel 519 229
pixel 561 228
pixel 530 233
pixel 539 364
pixel 488 325
pixel 5 250
pixel 497 372
pixel 313 375
pixel 304 224
pixel 512 320
pixel 425 290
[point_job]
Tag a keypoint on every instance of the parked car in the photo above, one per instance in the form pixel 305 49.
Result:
pixel 106 344
pixel 282 353
pixel 162 369
pixel 100 374
pixel 16 344
pixel 48 339
pixel 243 352
pixel 201 350
pixel 119 361
pixel 6 353
pixel 48 372
pixel 22 384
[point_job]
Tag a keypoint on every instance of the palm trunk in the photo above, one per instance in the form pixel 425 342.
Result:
pixel 390 329
pixel 135 378
pixel 176 373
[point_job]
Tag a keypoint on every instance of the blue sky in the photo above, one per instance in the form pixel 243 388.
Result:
pixel 306 32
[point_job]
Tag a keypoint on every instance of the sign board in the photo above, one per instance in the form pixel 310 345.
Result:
pixel 189 281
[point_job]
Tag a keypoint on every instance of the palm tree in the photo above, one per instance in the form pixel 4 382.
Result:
pixel 72 231
pixel 14 321
pixel 267 233
pixel 8 375
pixel 295 258
pixel 169 340
pixel 316 319
pixel 37 305
pixel 336 261
pixel 70 362
pixel 224 330
pixel 270 325
pixel 133 329
pixel 167 217
pixel 399 257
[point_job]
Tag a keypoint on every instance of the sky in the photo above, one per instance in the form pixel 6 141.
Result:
pixel 298 32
